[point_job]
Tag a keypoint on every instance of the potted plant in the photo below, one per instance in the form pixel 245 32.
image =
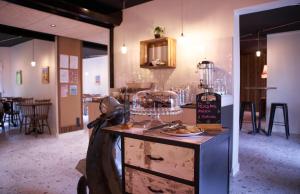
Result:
pixel 158 31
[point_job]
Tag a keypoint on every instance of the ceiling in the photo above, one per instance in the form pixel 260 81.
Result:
pixel 8 40
pixel 31 19
pixel 104 13
pixel 267 22
pixel 79 19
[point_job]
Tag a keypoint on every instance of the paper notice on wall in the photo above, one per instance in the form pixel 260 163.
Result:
pixel 73 90
pixel 64 61
pixel 73 62
pixel 64 90
pixel 73 76
pixel 64 76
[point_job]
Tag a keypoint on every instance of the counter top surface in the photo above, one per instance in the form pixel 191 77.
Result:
pixel 195 140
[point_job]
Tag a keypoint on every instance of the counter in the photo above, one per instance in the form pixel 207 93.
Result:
pixel 156 163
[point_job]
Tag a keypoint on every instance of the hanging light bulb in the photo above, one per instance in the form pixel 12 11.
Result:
pixel 182 37
pixel 258 53
pixel 33 63
pixel 124 49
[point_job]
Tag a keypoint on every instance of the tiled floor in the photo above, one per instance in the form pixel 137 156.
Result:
pixel 42 165
pixel 268 165
pixel 46 165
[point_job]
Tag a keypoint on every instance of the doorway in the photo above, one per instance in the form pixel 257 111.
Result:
pixel 95 79
pixel 236 68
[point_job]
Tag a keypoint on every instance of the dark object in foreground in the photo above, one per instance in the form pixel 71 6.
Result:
pixel 102 175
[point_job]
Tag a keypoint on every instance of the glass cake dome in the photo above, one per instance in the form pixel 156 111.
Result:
pixel 154 103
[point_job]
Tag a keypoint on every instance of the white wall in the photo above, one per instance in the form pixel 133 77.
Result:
pixel 208 26
pixel 32 86
pixel 283 61
pixel 5 84
pixel 92 67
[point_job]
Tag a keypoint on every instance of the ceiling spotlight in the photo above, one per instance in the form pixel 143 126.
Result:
pixel 85 9
pixel 52 25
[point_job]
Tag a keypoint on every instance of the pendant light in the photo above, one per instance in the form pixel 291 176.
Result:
pixel 123 48
pixel 258 53
pixel 181 38
pixel 264 73
pixel 33 63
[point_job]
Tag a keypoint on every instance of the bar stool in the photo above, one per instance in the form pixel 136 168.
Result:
pixel 285 123
pixel 1 117
pixel 251 105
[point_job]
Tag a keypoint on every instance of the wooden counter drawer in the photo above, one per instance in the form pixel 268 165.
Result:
pixel 167 159
pixel 137 182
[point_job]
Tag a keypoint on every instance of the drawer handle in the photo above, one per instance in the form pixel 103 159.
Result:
pixel 154 190
pixel 155 158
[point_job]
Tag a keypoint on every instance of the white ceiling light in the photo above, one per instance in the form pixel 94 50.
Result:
pixel 181 10
pixel 123 48
pixel 52 25
pixel 33 63
pixel 258 52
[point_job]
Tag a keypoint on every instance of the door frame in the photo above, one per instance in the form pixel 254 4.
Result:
pixel 236 68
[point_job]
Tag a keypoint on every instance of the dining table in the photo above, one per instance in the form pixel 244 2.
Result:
pixel 260 89
pixel 33 119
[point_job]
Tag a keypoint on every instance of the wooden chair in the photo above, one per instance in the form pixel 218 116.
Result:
pixel 10 114
pixel 43 100
pixel 41 114
pixel 1 117
pixel 27 116
pixel 27 100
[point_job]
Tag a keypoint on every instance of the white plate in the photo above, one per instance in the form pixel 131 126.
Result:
pixel 181 134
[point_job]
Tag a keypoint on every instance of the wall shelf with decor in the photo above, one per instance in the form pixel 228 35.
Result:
pixel 159 53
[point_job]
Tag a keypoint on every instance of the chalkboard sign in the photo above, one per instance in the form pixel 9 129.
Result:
pixel 208 108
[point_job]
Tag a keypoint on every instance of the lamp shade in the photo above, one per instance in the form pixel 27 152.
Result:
pixel 258 53
pixel 33 63
pixel 264 73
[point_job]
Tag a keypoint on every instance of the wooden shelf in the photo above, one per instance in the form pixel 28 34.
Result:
pixel 159 49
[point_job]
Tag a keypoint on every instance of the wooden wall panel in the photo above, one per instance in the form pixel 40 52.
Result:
pixel 251 69
pixel 70 107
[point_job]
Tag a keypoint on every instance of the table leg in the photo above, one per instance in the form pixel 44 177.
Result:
pixel 260 118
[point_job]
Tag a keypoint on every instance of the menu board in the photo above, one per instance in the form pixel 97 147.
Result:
pixel 208 108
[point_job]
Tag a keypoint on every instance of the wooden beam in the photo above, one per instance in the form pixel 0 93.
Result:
pixel 73 11
pixel 111 58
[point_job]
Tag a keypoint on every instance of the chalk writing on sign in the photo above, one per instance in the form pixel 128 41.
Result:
pixel 208 108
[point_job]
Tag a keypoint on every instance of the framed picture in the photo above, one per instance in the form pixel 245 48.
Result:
pixel 19 77
pixel 98 79
pixel 45 75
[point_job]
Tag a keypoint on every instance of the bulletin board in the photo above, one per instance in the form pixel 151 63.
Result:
pixel 69 79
